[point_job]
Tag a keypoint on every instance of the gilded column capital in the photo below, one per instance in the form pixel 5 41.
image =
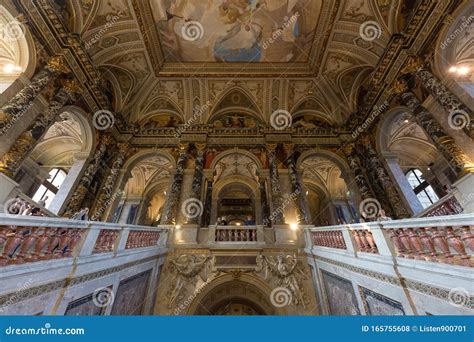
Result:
pixel 271 147
pixel 72 86
pixel 412 65
pixel 398 87
pixel 58 64
pixel 348 149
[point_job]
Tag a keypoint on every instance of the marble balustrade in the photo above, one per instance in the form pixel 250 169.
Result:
pixel 26 239
pixel 440 239
pixel 236 234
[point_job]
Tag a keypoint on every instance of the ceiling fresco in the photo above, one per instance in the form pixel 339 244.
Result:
pixel 236 30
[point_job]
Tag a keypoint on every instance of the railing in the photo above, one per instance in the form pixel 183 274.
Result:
pixel 25 239
pixel 442 239
pixel 236 234
pixel 448 205
pixel 25 206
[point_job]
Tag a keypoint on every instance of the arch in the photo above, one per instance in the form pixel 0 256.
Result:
pixel 454 48
pixel 260 295
pixel 246 104
pixel 234 151
pixel 17 50
pixel 145 154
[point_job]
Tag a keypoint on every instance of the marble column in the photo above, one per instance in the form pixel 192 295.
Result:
pixel 11 161
pixel 296 188
pixel 106 195
pixel 23 100
pixel 264 202
pixel 197 179
pixel 73 177
pixel 276 216
pixel 411 200
pixel 450 102
pixel 442 141
pixel 356 167
pixel 77 198
pixel 172 204
pixel 384 179
pixel 206 216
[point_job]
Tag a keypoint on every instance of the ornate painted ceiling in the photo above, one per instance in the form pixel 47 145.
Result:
pixel 312 58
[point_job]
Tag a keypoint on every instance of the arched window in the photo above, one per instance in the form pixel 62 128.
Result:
pixel 422 189
pixel 46 192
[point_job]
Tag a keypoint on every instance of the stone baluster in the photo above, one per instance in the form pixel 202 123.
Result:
pixel 175 191
pixel 371 241
pixel 439 240
pixel 297 189
pixel 14 239
pixel 384 179
pixel 28 242
pixel 77 198
pixel 442 141
pixel 106 196
pixel 456 243
pixel 23 100
pixel 11 161
pixel 405 241
pixel 415 241
pixel 396 242
pixel 427 243
pixel 467 237
pixel 450 102
pixel 197 180
pixel 365 247
pixel 277 201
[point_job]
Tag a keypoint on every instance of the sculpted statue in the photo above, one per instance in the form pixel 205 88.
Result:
pixel 186 268
pixel 288 274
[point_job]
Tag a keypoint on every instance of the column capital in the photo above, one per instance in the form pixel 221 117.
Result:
pixel 398 87
pixel 58 64
pixel 412 64
pixel 72 86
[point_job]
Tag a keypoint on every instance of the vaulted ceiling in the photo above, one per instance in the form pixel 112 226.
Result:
pixel 310 57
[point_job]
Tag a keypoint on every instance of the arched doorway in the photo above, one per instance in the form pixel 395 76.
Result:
pixel 228 296
pixel 236 202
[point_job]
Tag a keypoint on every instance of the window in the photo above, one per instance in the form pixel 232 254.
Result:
pixel 46 192
pixel 422 189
